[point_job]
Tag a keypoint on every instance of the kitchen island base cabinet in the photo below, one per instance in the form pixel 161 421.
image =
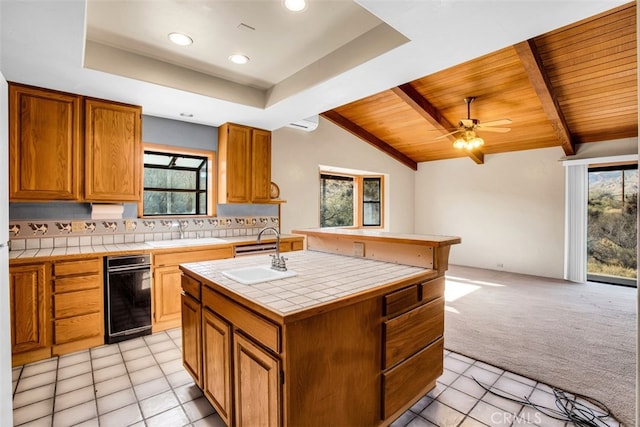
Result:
pixel 344 364
pixel 191 337
pixel 216 339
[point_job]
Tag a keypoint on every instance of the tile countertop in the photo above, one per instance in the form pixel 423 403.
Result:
pixel 130 247
pixel 322 278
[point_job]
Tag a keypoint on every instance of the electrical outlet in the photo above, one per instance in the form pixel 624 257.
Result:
pixel 358 249
pixel 129 224
pixel 77 226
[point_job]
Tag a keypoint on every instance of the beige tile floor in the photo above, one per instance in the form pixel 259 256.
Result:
pixel 141 382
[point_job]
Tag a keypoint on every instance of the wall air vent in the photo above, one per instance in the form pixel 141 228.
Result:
pixel 309 124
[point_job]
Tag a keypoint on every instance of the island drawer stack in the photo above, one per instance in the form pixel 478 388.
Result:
pixel 412 337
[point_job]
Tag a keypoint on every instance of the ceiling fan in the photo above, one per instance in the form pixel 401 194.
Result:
pixel 468 138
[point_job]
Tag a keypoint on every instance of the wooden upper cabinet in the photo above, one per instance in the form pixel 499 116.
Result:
pixel 261 166
pixel 45 144
pixel 244 164
pixel 112 151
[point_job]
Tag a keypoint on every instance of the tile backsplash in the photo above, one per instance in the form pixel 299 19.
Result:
pixel 25 234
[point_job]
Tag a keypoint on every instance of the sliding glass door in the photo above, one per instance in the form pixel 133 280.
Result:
pixel 612 224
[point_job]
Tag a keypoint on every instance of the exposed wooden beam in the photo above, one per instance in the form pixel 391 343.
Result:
pixel 422 106
pixel 539 79
pixel 367 136
pixel 477 156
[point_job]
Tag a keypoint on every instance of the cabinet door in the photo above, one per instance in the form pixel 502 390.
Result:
pixel 260 166
pixel 44 147
pixel 29 307
pixel 256 385
pixel 112 151
pixel 235 165
pixel 166 297
pixel 216 349
pixel 192 338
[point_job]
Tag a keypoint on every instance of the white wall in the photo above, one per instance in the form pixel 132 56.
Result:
pixel 6 404
pixel 508 211
pixel 296 156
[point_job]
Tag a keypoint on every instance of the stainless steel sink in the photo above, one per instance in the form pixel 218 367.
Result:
pixel 257 274
pixel 184 242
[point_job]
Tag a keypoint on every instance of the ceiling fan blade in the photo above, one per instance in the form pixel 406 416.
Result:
pixel 500 130
pixel 447 134
pixel 496 123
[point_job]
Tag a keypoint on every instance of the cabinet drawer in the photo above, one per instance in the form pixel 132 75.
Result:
pixel 401 300
pixel 76 283
pixel 78 327
pixel 432 289
pixel 85 266
pixel 242 318
pixel 408 333
pixel 412 378
pixel 181 257
pixel 191 287
pixel 77 303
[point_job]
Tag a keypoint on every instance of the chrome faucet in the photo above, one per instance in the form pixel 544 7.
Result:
pixel 182 225
pixel 277 262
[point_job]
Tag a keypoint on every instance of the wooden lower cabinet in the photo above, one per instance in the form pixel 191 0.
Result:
pixel 256 384
pixel 78 304
pixel 192 337
pixel 362 363
pixel 166 286
pixel 29 297
pixel 166 307
pixel 216 363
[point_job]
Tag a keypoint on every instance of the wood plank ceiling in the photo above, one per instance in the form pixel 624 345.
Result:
pixel 574 85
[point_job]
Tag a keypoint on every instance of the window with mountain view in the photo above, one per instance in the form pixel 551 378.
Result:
pixel 176 183
pixel 611 225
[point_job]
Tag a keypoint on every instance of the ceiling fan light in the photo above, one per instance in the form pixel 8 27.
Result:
pixel 477 142
pixel 459 143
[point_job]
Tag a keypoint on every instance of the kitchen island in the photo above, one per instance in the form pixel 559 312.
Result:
pixel 346 341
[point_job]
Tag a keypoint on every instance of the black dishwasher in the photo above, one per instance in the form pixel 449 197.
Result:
pixel 127 297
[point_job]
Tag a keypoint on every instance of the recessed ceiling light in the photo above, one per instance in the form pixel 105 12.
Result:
pixel 295 5
pixel 239 59
pixel 180 39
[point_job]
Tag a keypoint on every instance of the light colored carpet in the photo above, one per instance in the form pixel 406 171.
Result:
pixel 577 337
